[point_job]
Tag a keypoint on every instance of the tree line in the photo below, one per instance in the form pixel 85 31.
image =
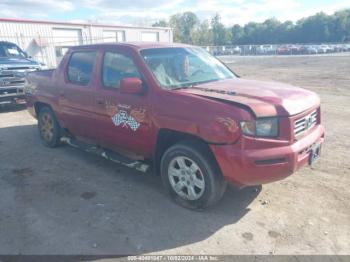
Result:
pixel 319 28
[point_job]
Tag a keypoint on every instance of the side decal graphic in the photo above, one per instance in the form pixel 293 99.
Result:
pixel 230 124
pixel 122 118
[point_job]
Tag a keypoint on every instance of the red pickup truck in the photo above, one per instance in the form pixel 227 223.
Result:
pixel 179 110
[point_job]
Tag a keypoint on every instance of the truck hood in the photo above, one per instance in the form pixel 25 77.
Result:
pixel 9 62
pixel 265 99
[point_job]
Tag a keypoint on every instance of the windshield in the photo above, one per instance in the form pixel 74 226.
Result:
pixel 183 67
pixel 11 50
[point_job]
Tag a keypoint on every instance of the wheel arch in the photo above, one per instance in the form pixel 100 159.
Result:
pixel 39 105
pixel 168 137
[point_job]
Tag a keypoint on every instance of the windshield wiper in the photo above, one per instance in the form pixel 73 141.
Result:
pixel 179 87
pixel 193 84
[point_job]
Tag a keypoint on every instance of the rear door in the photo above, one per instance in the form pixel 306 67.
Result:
pixel 77 95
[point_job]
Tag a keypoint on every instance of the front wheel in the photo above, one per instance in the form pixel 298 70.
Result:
pixel 49 129
pixel 191 176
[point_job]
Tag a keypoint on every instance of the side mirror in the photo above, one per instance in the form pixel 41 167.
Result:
pixel 131 85
pixel 26 55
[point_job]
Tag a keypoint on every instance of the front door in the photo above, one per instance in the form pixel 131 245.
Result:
pixel 124 119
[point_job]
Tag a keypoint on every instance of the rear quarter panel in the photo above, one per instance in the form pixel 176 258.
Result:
pixel 40 87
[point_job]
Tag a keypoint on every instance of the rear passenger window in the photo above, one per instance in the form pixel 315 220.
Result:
pixel 80 67
pixel 115 68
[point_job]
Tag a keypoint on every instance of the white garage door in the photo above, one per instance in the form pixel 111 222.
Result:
pixel 67 37
pixel 113 36
pixel 150 36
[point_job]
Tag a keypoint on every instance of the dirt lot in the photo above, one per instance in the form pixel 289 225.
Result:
pixel 64 201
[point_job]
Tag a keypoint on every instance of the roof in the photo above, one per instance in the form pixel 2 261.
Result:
pixel 136 45
pixel 14 20
pixel 5 42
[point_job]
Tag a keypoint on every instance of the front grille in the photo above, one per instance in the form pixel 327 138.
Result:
pixel 10 91
pixel 305 123
pixel 7 74
pixel 20 68
pixel 13 78
pixel 16 82
pixel 11 81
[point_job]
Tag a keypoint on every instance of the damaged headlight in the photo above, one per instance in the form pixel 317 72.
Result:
pixel 263 127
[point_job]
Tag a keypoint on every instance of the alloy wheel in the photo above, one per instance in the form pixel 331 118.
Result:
pixel 186 178
pixel 47 127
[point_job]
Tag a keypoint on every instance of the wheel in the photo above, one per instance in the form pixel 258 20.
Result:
pixel 191 176
pixel 48 128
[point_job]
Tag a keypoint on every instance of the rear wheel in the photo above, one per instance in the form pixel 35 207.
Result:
pixel 191 176
pixel 48 127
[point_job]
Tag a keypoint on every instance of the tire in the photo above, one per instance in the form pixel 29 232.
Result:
pixel 49 129
pixel 191 176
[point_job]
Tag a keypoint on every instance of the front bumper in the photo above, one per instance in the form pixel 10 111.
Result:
pixel 12 95
pixel 243 167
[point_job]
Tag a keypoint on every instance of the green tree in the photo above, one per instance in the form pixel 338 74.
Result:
pixel 237 35
pixel 184 26
pixel 267 33
pixel 189 22
pixel 250 33
pixel 218 31
pixel 340 26
pixel 202 35
pixel 314 29
pixel 174 23
pixel 319 28
pixel 286 32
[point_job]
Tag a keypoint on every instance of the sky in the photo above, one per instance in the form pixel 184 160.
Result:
pixel 146 12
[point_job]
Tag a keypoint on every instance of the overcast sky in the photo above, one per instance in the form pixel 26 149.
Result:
pixel 145 12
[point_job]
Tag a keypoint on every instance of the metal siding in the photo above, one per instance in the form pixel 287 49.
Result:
pixel 23 33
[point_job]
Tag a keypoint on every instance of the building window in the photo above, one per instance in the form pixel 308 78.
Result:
pixel 120 36
pixel 80 67
pixel 60 52
pixel 150 36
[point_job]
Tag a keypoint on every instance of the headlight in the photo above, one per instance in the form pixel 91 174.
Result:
pixel 264 127
pixel 248 128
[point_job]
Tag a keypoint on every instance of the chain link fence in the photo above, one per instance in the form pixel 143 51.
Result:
pixel 287 49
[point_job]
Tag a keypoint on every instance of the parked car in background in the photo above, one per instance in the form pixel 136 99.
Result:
pixel 294 49
pixel 266 50
pixel 232 50
pixel 284 50
pixel 237 50
pixel 182 110
pixel 308 49
pixel 323 49
pixel 334 48
pixel 347 47
pixel 14 64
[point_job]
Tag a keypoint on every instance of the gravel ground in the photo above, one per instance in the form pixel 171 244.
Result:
pixel 64 201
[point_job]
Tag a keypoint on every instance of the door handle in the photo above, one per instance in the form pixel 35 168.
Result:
pixel 62 94
pixel 100 102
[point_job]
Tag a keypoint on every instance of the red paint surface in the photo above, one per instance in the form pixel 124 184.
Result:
pixel 211 116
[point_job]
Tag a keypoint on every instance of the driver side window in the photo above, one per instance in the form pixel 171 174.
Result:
pixel 115 68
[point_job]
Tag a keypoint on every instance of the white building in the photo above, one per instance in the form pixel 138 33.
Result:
pixel 47 41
